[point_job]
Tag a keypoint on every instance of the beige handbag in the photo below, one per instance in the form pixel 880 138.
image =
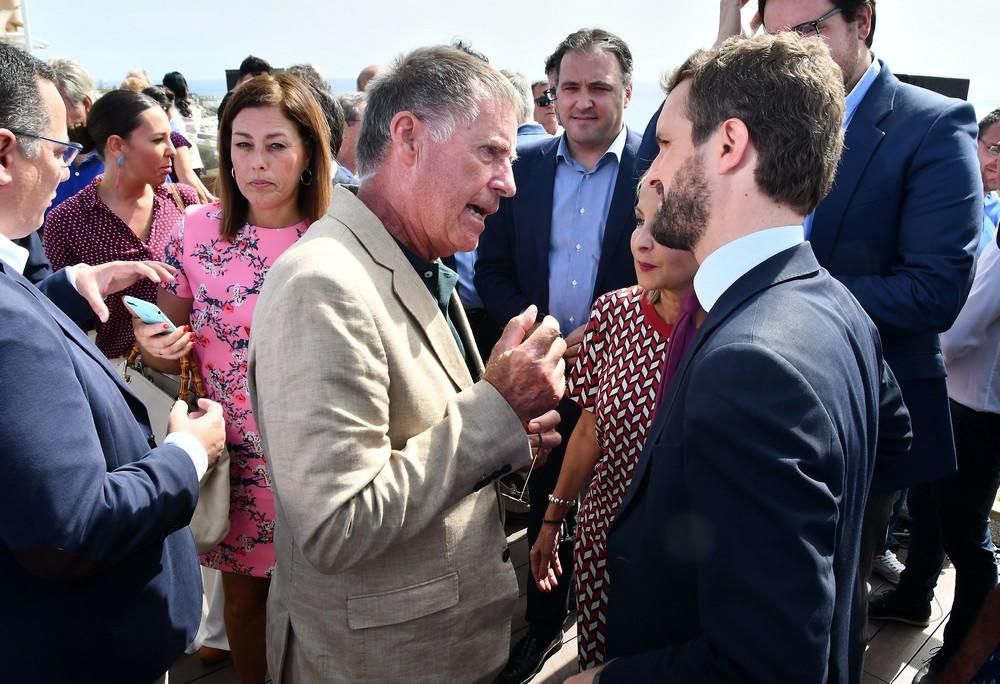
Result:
pixel 158 392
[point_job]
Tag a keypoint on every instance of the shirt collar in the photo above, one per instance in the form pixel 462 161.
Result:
pixel 616 148
pixel 732 261
pixel 12 254
pixel 859 91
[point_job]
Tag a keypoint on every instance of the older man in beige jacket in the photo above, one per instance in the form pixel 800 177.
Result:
pixel 392 560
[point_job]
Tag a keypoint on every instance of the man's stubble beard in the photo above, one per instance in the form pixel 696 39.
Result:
pixel 682 219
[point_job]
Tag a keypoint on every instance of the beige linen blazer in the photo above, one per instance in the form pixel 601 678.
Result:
pixel 392 563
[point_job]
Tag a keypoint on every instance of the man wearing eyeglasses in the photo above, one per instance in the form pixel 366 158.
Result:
pixel 99 576
pixel 545 106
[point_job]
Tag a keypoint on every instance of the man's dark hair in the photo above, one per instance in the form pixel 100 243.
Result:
pixel 352 104
pixel 989 120
pixel 784 89
pixel 21 105
pixel 334 114
pixel 848 8
pixel 254 66
pixel 593 39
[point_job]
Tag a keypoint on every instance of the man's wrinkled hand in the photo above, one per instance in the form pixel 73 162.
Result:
pixel 95 283
pixel 543 436
pixel 528 369
pixel 206 425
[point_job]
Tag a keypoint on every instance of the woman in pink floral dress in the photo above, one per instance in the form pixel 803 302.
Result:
pixel 274 167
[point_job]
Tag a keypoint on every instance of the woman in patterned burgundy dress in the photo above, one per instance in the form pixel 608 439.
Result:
pixel 615 382
pixel 127 213
pixel 274 167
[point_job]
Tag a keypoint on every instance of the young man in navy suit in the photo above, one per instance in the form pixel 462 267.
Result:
pixel 767 433
pixel 98 574
pixel 899 228
pixel 559 243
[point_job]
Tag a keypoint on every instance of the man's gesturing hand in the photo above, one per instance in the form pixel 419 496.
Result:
pixel 528 373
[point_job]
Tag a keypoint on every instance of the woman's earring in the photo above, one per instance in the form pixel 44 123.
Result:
pixel 306 180
pixel 232 172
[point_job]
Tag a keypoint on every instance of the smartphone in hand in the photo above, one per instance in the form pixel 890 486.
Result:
pixel 148 313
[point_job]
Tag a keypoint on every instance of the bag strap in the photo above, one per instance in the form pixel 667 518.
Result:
pixel 190 374
pixel 175 194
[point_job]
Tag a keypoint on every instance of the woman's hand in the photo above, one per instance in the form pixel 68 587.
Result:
pixel 544 558
pixel 154 341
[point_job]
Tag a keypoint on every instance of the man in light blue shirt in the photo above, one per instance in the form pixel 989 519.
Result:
pixel 559 243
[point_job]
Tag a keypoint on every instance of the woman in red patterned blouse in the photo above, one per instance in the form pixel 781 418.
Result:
pixel 615 382
pixel 127 213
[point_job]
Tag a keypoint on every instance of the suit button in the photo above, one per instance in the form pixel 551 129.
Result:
pixel 505 556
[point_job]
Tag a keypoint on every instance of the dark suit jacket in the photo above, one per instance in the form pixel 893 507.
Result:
pixel 98 580
pixel 899 229
pixel 734 556
pixel 512 270
pixel 648 148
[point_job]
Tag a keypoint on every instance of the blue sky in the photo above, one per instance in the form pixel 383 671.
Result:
pixel 203 37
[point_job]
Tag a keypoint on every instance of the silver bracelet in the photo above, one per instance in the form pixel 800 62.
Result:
pixel 553 499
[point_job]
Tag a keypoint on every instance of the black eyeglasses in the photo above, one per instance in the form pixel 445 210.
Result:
pixel 547 97
pixel 812 28
pixel 70 150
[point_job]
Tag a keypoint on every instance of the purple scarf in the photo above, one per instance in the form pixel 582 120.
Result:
pixel 684 331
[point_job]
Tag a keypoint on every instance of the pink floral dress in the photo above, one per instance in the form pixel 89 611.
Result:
pixel 224 279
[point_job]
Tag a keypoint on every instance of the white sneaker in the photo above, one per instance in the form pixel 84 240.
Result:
pixel 888 566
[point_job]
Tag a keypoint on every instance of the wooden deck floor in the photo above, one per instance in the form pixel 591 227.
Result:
pixel 895 653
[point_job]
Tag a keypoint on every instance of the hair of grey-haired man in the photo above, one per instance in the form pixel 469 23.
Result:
pixel 21 105
pixel 442 86
pixel 523 88
pixel 72 81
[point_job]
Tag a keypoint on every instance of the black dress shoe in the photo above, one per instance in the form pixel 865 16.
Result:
pixel 889 606
pixel 527 658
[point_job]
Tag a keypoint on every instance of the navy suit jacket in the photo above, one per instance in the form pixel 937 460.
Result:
pixel 648 148
pixel 734 555
pixel 99 577
pixel 899 229
pixel 512 268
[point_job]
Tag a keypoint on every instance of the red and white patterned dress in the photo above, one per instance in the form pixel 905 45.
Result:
pixel 616 377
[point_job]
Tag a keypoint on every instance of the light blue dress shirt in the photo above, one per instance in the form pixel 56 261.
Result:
pixel 991 217
pixel 581 198
pixel 733 260
pixel 852 103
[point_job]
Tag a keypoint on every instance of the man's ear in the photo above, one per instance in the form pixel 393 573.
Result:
pixel 8 155
pixel 628 95
pixel 87 104
pixel 407 133
pixel 733 145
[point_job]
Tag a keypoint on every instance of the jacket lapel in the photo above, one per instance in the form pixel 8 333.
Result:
pixel 796 262
pixel 620 222
pixel 534 201
pixel 862 139
pixel 406 284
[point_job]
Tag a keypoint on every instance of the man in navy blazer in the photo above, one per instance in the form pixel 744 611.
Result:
pixel 899 229
pixel 559 243
pixel 99 576
pixel 733 557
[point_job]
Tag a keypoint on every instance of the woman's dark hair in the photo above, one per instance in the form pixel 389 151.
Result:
pixel 178 85
pixel 294 98
pixel 163 96
pixel 116 112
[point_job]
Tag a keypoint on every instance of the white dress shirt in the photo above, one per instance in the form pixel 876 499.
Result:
pixel 732 261
pixel 16 257
pixel 972 346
